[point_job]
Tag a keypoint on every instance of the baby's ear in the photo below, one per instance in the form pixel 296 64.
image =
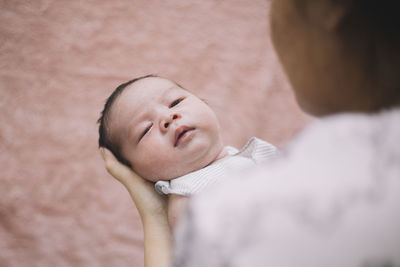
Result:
pixel 328 14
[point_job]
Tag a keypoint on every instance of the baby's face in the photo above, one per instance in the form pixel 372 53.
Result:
pixel 165 131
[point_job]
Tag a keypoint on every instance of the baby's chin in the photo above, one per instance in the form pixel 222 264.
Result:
pixel 167 175
pixel 166 172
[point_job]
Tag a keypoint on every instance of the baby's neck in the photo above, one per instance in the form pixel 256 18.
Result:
pixel 224 153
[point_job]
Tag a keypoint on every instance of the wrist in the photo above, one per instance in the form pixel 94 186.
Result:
pixel 157 230
pixel 154 218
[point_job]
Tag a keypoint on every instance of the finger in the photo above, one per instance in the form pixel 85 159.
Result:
pixel 107 155
pixel 117 169
pixel 112 164
pixel 101 149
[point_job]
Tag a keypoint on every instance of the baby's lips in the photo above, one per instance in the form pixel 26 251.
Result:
pixel 179 131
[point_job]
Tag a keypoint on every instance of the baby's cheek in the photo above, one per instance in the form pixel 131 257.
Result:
pixel 157 166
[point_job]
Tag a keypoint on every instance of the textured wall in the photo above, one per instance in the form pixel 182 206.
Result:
pixel 59 60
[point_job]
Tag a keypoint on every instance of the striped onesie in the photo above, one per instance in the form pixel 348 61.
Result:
pixel 254 152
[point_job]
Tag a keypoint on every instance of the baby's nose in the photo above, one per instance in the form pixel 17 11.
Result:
pixel 166 123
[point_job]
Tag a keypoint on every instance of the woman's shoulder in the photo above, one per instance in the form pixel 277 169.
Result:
pixel 340 172
pixel 334 154
pixel 347 132
pixel 347 125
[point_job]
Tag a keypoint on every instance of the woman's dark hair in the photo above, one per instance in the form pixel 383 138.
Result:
pixel 383 14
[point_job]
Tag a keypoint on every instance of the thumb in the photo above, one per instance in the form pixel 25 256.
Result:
pixel 118 170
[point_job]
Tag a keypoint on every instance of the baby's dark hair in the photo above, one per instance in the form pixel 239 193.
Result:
pixel 105 139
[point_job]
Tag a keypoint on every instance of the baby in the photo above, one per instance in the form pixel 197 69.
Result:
pixel 169 136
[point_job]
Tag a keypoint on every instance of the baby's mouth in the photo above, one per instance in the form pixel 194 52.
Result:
pixel 180 134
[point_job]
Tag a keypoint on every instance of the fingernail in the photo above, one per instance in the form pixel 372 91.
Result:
pixel 101 149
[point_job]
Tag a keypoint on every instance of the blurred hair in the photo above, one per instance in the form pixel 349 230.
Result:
pixel 383 15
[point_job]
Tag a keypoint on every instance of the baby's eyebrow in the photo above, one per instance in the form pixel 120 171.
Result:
pixel 131 132
pixel 168 91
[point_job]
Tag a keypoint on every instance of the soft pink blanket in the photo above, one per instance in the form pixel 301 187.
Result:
pixel 59 60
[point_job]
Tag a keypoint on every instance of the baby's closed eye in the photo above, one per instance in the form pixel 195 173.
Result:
pixel 176 102
pixel 145 132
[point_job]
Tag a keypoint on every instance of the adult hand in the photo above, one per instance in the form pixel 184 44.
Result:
pixel 148 202
pixel 152 208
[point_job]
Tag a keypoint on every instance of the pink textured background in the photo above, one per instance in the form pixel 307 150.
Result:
pixel 59 60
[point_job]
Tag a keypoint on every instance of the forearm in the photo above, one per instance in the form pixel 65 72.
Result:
pixel 157 233
pixel 152 208
pixel 157 242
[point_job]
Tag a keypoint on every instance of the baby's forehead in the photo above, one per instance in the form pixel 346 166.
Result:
pixel 142 95
pixel 152 87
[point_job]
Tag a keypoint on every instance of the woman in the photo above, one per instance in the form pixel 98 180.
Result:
pixel 332 200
